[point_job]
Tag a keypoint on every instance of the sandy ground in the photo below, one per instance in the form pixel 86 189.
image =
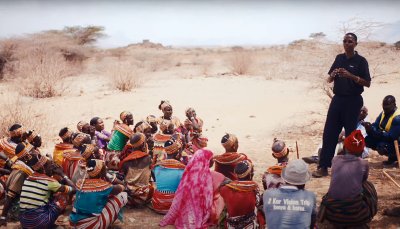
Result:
pixel 255 108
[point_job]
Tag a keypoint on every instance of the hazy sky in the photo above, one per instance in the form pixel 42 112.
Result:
pixel 207 22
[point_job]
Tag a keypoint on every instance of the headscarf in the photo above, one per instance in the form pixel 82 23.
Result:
pixel 164 104
pixel 23 149
pixel 137 140
pixel 78 139
pixel 279 149
pixel 172 146
pixel 87 150
pixel 94 167
pixel 124 114
pixel 80 125
pixel 17 131
pixel 191 207
pixel 40 163
pixel 232 139
pixel 33 134
pixel 243 168
pixel 355 142
pixel 144 125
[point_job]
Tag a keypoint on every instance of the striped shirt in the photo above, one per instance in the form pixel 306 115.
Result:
pixel 36 191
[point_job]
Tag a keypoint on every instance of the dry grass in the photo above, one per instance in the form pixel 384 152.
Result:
pixel 123 75
pixel 15 110
pixel 241 62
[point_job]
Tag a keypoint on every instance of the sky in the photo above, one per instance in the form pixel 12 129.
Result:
pixel 201 23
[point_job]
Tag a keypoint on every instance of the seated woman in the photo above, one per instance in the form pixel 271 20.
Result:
pixel 197 202
pixel 165 134
pixel 226 162
pixel 166 108
pixel 72 157
pixel 88 152
pixel 242 199
pixel 136 170
pixel 8 144
pixel 120 136
pixel 272 177
pixel 66 145
pixel 167 173
pixel 102 136
pixel 97 202
pixel 351 200
pixel 193 127
pixel 37 207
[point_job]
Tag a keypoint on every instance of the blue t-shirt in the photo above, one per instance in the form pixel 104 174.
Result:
pixel 167 179
pixel 289 207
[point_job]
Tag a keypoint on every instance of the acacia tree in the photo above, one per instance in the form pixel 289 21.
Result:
pixel 84 35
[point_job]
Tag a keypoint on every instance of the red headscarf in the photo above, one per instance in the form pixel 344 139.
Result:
pixel 354 143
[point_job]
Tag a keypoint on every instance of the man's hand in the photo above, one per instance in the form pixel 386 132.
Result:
pixel 344 73
pixel 367 125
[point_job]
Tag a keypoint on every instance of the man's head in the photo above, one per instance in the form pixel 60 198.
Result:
pixel 144 128
pixel 244 170
pixel 349 42
pixel 40 162
pixel 389 105
pixel 363 113
pixel 23 151
pixel 354 143
pixel 296 173
pixel 230 143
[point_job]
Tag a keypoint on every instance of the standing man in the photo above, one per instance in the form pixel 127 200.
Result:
pixel 350 74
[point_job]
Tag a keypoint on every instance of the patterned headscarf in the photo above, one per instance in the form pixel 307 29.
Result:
pixel 232 139
pixel 40 163
pixel 67 134
pixel 172 146
pixel 279 149
pixel 137 140
pixel 243 168
pixel 80 125
pixel 164 104
pixel 87 150
pixel 23 149
pixel 17 132
pixel 78 139
pixel 144 125
pixel 32 136
pixel 124 114
pixel 94 169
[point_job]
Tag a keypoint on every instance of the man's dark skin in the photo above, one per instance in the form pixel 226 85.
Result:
pixel 349 43
pixel 167 112
pixel 388 106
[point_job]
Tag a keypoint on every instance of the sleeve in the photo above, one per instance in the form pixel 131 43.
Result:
pixel 390 136
pixel 334 65
pixel 377 120
pixel 54 186
pixel 364 70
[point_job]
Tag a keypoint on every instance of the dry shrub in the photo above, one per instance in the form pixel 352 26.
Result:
pixel 241 62
pixel 42 72
pixel 123 75
pixel 16 110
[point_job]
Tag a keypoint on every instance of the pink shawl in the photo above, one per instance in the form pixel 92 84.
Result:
pixel 192 203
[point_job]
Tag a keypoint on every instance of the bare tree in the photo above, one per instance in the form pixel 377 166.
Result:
pixel 362 28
